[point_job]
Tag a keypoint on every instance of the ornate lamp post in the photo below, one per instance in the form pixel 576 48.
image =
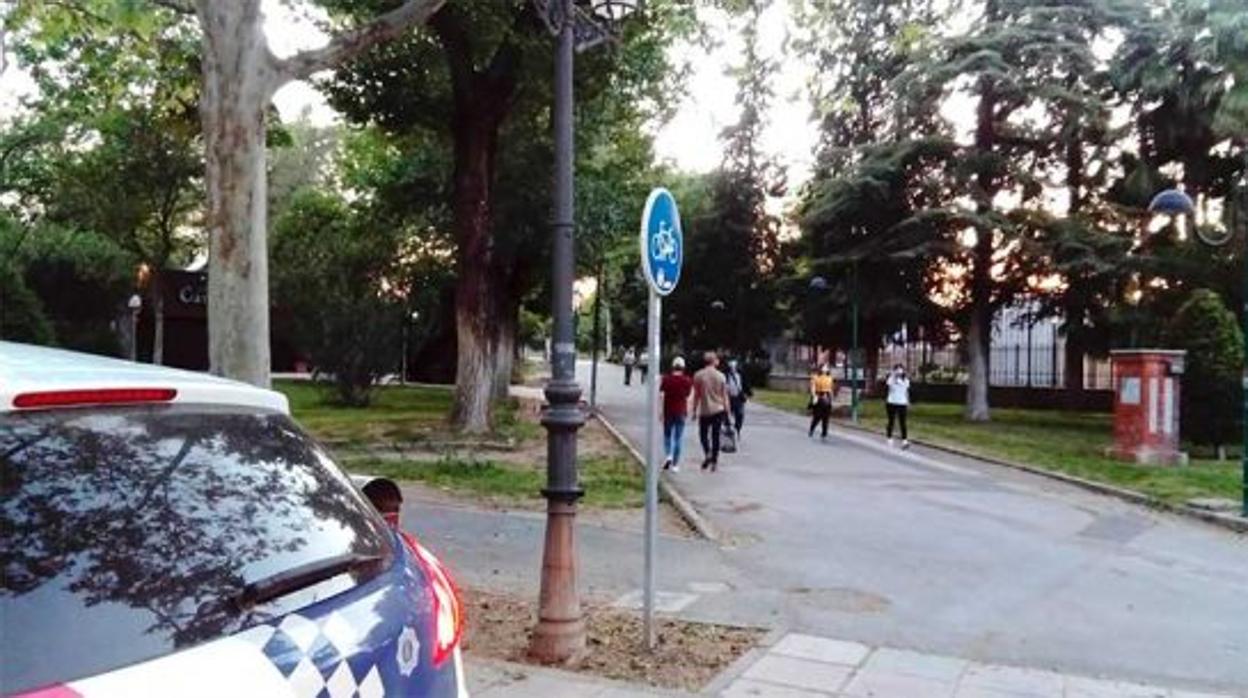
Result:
pixel 560 631
pixel 1177 204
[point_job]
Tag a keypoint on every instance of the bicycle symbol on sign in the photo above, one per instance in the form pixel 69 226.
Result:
pixel 663 244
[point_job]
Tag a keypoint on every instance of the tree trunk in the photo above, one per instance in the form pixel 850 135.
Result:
pixel 979 331
pixel 1074 349
pixel 505 352
pixel 476 311
pixel 239 79
pixel 158 317
pixel 977 372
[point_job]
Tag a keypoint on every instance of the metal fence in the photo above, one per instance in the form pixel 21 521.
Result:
pixel 1011 364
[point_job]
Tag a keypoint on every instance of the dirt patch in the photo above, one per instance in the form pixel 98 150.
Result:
pixel 687 657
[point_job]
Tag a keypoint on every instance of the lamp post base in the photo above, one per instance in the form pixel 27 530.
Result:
pixel 560 633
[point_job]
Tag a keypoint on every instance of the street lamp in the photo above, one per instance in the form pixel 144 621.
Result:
pixel 408 319
pixel 560 631
pixel 1177 204
pixel 135 304
pixel 820 285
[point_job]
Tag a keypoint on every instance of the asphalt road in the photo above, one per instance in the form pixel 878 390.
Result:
pixel 849 539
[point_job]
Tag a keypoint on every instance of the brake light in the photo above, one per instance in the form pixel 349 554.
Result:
pixel 95 396
pixel 448 608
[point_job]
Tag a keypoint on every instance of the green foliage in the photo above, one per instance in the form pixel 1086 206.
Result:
pixel 21 314
pixel 333 268
pixel 613 482
pixel 733 253
pixel 82 281
pixel 1212 393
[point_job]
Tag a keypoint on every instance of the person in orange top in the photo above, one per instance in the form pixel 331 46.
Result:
pixel 821 389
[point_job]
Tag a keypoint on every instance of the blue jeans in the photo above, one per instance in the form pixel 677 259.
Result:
pixel 673 435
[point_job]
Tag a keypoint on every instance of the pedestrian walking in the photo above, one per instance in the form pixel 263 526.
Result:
pixel 643 365
pixel 821 388
pixel 738 393
pixel 898 403
pixel 630 360
pixel 710 405
pixel 676 387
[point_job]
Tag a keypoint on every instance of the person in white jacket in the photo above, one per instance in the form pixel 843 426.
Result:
pixel 898 403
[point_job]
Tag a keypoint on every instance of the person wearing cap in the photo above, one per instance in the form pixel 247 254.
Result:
pixel 675 387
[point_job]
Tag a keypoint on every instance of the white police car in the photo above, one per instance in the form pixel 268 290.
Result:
pixel 167 533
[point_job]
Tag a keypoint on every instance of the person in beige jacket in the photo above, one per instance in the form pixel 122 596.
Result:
pixel 710 406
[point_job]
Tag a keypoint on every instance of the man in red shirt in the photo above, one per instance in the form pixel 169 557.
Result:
pixel 676 387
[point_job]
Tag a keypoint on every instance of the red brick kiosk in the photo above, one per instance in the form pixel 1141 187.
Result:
pixel 1146 406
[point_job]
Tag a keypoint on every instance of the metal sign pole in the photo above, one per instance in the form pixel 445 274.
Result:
pixel 652 461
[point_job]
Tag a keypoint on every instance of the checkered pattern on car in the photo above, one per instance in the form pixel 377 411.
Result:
pixel 319 658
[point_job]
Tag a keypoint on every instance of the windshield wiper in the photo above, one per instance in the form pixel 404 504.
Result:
pixel 301 577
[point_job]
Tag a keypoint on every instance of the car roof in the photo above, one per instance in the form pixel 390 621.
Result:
pixel 26 368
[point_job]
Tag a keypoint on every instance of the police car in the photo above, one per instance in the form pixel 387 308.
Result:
pixel 168 533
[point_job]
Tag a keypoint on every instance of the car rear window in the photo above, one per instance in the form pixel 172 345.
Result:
pixel 125 531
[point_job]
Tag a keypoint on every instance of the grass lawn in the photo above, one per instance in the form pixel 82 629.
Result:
pixel 397 413
pixel 610 482
pixel 1067 442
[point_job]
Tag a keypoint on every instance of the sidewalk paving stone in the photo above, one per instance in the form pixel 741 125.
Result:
pixel 799 673
pixel 821 649
pixel 916 664
pixel 802 665
pixel 879 684
pixel 749 688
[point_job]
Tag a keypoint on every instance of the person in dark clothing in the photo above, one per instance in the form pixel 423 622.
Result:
pixel 630 360
pixel 738 393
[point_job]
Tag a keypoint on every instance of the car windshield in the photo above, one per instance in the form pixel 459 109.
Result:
pixel 128 533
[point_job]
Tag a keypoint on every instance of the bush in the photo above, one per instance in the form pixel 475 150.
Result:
pixel 332 270
pixel 1211 393
pixel 81 280
pixel 21 313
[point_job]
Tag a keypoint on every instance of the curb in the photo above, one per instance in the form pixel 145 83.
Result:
pixel 686 509
pixel 741 664
pixel 1228 521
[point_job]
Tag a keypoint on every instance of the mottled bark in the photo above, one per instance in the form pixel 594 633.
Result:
pixel 239 78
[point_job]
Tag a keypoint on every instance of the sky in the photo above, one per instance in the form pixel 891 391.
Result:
pixel 689 140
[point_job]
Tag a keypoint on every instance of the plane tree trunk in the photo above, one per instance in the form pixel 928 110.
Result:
pixel 239 77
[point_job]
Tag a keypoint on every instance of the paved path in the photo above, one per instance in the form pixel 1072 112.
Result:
pixel 909 550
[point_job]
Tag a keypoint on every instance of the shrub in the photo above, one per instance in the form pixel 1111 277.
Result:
pixel 332 271
pixel 1211 393
pixel 21 313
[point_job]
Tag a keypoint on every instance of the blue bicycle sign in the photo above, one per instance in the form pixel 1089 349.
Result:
pixel 662 243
